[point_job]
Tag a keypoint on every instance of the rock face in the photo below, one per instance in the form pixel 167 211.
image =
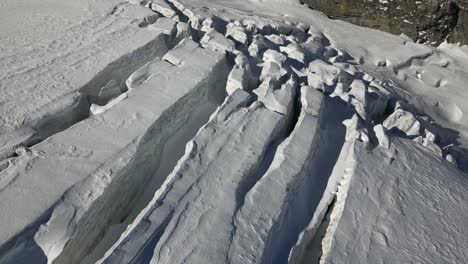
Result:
pixel 460 33
pixel 430 21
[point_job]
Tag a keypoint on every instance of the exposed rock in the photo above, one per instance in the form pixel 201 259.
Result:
pixel 431 21
pixel 460 32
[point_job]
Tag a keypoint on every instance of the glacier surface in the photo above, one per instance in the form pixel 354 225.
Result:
pixel 212 131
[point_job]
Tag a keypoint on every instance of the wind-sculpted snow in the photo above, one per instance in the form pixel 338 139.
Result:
pixel 200 131
pixel 259 235
pixel 101 166
pixel 392 217
pixel 64 80
pixel 225 153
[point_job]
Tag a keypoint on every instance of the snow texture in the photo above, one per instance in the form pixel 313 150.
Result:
pixel 243 131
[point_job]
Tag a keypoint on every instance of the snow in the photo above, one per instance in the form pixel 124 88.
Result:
pixel 203 224
pixel 258 45
pixel 216 41
pixel 164 25
pixel 240 131
pixel 59 64
pixel 382 136
pixel 237 79
pixel 392 217
pixel 404 122
pixel 237 33
pixel 85 164
pixel 258 226
pixel 163 8
pixel 294 52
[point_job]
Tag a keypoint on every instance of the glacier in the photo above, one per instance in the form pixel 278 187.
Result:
pixel 211 131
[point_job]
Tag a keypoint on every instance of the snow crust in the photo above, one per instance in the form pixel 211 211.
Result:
pixel 59 70
pixel 391 217
pixel 85 164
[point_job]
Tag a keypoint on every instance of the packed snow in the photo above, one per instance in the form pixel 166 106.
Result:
pixel 215 131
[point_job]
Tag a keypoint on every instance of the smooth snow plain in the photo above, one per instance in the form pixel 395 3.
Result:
pixel 242 131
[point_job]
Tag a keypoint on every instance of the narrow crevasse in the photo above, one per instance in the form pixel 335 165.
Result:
pixel 81 86
pixel 130 161
pixel 187 194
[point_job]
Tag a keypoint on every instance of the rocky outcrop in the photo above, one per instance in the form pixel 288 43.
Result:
pixel 460 32
pixel 430 21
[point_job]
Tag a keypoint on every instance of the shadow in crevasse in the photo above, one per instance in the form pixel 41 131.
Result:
pixel 22 248
pixel 328 143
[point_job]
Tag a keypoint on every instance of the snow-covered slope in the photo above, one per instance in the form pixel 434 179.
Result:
pixel 393 218
pixel 241 131
pixel 58 61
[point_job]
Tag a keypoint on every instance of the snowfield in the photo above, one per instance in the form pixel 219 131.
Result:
pixel 216 131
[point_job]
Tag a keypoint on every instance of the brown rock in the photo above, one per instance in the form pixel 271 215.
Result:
pixel 429 21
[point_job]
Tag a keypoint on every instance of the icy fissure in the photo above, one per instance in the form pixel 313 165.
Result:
pixel 69 87
pixel 212 133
